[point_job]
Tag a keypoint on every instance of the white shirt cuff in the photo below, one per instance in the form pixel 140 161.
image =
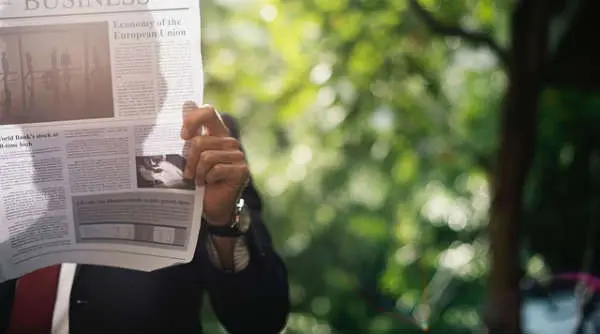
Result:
pixel 241 255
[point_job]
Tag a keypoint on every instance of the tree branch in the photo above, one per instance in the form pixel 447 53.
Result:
pixel 475 38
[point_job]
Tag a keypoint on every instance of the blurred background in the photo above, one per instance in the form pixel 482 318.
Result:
pixel 371 137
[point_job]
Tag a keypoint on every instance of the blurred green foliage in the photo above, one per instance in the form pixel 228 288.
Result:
pixel 370 139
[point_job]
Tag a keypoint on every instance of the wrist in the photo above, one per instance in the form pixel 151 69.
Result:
pixel 224 216
pixel 235 224
pixel 221 220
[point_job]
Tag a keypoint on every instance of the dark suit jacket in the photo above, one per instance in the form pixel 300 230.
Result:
pixel 111 300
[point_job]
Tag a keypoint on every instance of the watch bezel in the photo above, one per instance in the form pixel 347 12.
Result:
pixel 241 219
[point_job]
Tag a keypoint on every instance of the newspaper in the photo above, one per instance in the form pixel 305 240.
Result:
pixel 91 107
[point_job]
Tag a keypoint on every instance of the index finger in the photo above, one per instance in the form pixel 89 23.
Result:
pixel 205 115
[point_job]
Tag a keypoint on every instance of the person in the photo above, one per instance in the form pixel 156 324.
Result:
pixel 244 277
pixel 29 82
pixel 162 172
pixel 6 96
pixel 65 63
pixel 55 76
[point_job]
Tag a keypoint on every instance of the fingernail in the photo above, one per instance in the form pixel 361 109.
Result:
pixel 187 174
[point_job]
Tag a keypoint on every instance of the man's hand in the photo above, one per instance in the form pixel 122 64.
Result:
pixel 215 161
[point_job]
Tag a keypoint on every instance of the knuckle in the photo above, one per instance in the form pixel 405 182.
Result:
pixel 231 143
pixel 238 155
pixel 191 116
pixel 188 116
pixel 209 108
pixel 244 171
pixel 205 157
pixel 217 170
pixel 199 168
pixel 197 142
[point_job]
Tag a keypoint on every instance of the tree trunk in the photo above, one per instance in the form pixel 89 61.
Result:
pixel 517 141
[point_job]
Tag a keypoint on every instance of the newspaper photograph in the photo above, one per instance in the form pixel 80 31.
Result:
pixel 91 159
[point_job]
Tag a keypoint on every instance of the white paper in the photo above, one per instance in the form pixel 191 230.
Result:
pixel 91 106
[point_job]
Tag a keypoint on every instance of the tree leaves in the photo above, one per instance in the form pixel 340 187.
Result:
pixel 392 115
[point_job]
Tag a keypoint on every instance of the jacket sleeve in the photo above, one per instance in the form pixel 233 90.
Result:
pixel 256 299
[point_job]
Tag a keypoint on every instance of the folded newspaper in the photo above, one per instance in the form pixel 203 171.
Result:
pixel 91 106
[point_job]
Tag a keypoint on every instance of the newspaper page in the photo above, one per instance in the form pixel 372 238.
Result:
pixel 91 106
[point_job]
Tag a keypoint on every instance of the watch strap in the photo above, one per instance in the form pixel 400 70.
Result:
pixel 234 229
pixel 223 231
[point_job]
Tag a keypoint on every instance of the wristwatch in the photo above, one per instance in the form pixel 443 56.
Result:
pixel 240 222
